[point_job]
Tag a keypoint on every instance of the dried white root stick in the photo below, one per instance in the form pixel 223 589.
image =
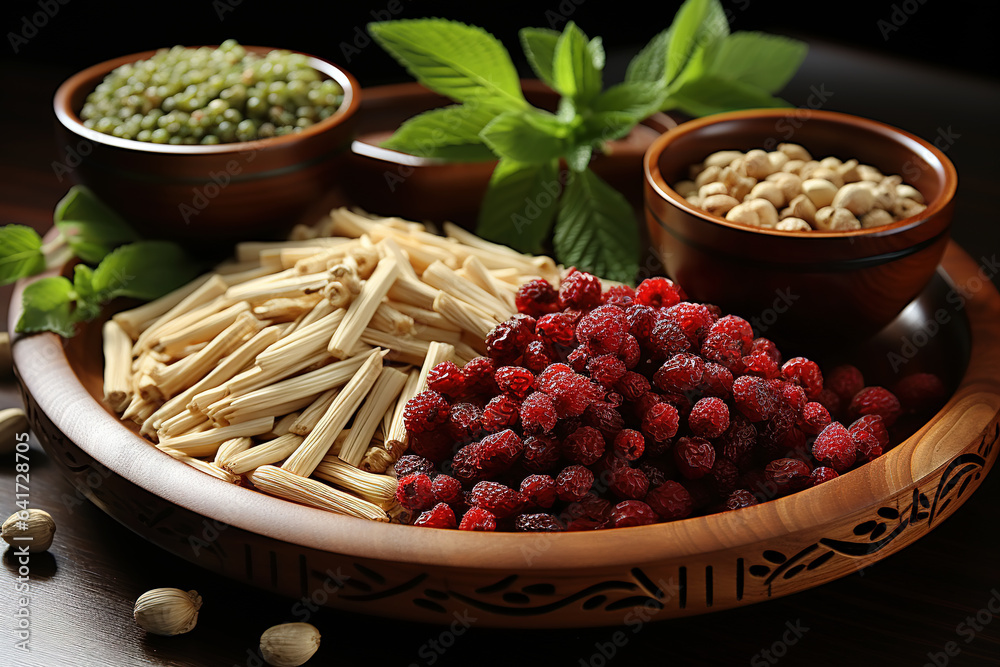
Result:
pixel 309 417
pixel 471 319
pixel 173 319
pixel 279 482
pixel 363 308
pixel 117 366
pixel 383 394
pixel 318 442
pixel 377 489
pixel 135 320
pixel 206 443
pixel 230 448
pixel 266 453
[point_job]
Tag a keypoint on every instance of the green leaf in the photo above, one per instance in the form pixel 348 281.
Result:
pixel 459 61
pixel 539 45
pixel 90 228
pixel 577 69
pixel 596 229
pixel 697 25
pixel 20 253
pixel 604 126
pixel 757 59
pixel 46 306
pixel 650 64
pixel 426 133
pixel 520 204
pixel 526 136
pixel 88 303
pixel 143 270
pixel 638 99
pixel 462 153
pixel 579 157
pixel 710 94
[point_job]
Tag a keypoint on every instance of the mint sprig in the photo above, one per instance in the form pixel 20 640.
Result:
pixel 695 66
pixel 95 234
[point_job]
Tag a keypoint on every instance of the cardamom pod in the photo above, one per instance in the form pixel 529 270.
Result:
pixel 13 422
pixel 32 528
pixel 289 644
pixel 167 611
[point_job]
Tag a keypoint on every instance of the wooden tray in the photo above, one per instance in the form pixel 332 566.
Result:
pixel 569 579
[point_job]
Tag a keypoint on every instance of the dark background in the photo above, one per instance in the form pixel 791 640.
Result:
pixel 954 34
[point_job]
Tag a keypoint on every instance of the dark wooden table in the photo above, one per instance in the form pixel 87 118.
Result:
pixel 935 602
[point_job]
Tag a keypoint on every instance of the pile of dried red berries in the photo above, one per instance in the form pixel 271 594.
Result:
pixel 629 407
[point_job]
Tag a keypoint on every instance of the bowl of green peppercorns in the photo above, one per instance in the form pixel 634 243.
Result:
pixel 210 143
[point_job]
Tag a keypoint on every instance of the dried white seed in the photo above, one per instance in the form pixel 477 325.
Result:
pixel 289 644
pixel 820 191
pixel 830 219
pixel 793 225
pixel 33 529
pixel 167 611
pixel 858 198
pixel 719 204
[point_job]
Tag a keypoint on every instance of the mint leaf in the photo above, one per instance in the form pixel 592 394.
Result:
pixel 579 157
pixel 88 303
pixel 143 270
pixel 757 59
pixel 425 134
pixel 604 126
pixel 697 25
pixel 539 45
pixel 454 59
pixel 650 64
pixel 711 94
pixel 461 153
pixel 520 204
pixel 46 306
pixel 635 98
pixel 577 69
pixel 89 227
pixel 20 253
pixel 596 229
pixel 526 136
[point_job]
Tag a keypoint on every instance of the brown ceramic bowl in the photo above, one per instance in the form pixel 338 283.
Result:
pixel 796 285
pixel 225 192
pixel 608 577
pixel 388 182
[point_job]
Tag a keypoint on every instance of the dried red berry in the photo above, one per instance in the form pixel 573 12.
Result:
pixel 630 444
pixel 658 292
pixel 557 329
pixel 478 519
pixel 680 373
pixel 831 401
pixel 425 411
pixel 411 464
pixel 845 381
pixel 606 369
pixel 447 379
pixel 439 516
pixel 738 442
pixel 739 499
pixel 660 422
pixel 766 345
pixel 415 492
pixel 821 474
pixel 573 483
pixel 541 453
pixel 835 448
pixel 723 349
pixel 920 392
pixel 536 298
pixel 584 445
pixel 754 397
pixel 717 380
pixel 498 451
pixel 629 483
pixel 804 373
pixel 875 401
pixel 670 500
pixel 500 413
pixel 761 365
pixel 578 358
pixel 723 477
pixel 464 423
pixel 632 386
pixel 631 513
pixel 631 352
pixel 538 523
pixel 580 290
pixel 870 437
pixel 787 474
pixel 736 328
pixel 814 418
pixel 641 320
pixel 621 296
pixel 447 489
pixel 436 445
pixel 514 381
pixel 538 414
pixel 667 339
pixel 709 417
pixel 694 457
pixel 694 318
pixel 539 490
pixel 508 340
pixel 603 330
pixel 536 356
pixel 478 374
pixel 500 500
pixel 572 393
